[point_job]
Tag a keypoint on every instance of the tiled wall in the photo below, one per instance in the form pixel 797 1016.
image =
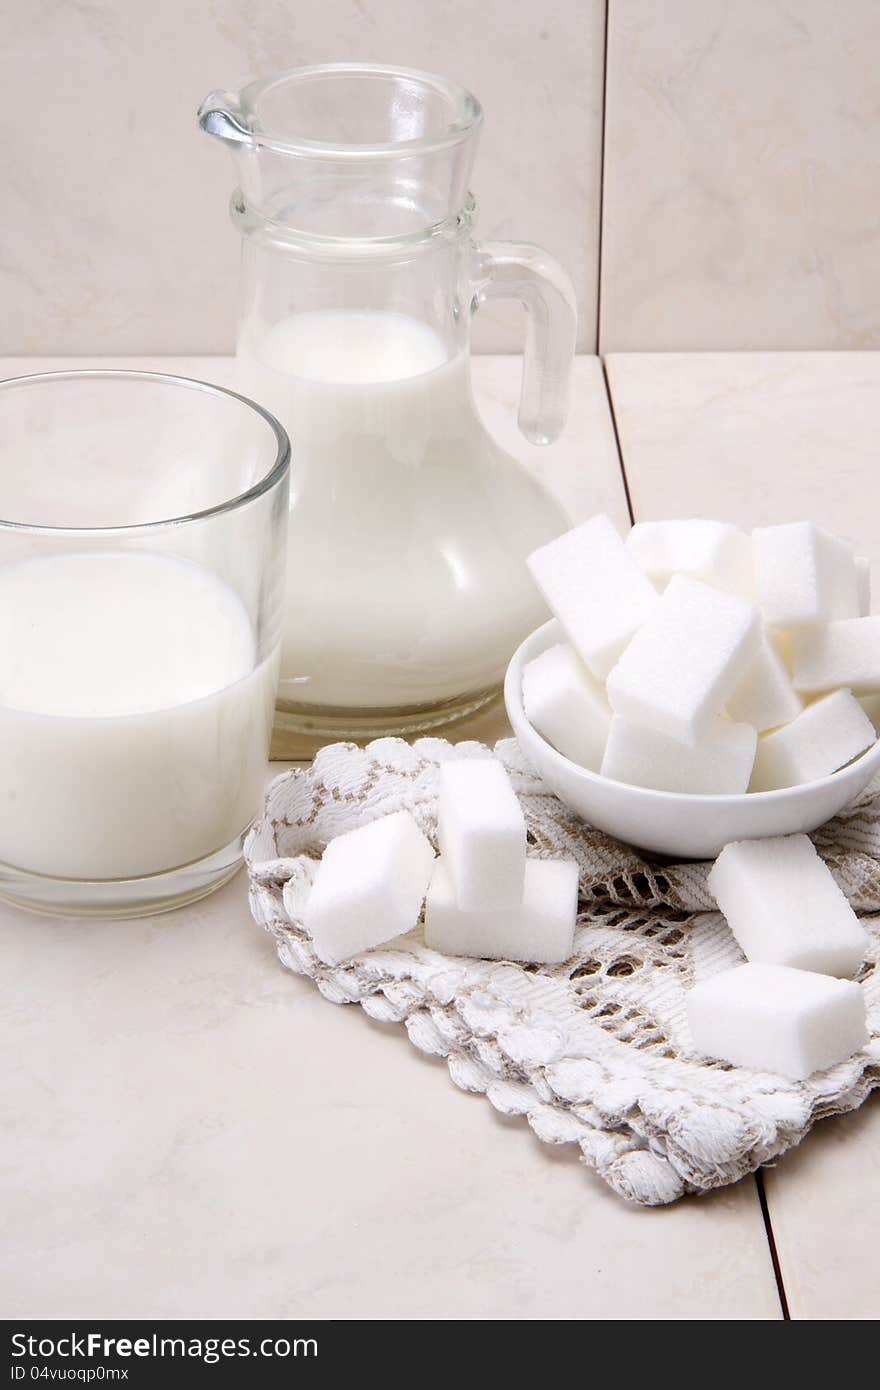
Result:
pixel 742 175
pixel 736 144
pixel 116 236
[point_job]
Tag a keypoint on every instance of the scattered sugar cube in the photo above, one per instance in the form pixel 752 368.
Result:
pixel 720 763
pixel 713 551
pixel 803 575
pixel 369 887
pixel 482 833
pixel 863 579
pixel 782 640
pixel 686 660
pixel 844 653
pixel 784 908
pixel 825 736
pixel 566 705
pixel 596 589
pixel 871 705
pixel 765 697
pixel 773 1018
pixel 540 929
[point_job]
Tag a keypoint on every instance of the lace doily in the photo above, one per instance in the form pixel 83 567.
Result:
pixel 595 1052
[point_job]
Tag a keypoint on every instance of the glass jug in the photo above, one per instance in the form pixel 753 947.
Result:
pixel 407 590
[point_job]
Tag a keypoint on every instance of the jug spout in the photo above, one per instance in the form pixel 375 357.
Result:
pixel 220 114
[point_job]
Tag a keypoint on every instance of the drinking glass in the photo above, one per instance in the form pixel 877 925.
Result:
pixel 142 550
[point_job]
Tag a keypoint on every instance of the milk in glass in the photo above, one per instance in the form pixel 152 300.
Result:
pixel 133 720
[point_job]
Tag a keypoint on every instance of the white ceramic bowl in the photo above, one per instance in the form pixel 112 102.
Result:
pixel 675 823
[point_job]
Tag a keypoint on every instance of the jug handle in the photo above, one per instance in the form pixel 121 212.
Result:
pixel 518 270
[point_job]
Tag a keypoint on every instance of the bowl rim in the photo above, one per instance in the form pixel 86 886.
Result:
pixel 540 639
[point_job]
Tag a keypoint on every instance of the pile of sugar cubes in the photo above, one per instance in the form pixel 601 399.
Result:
pixel 698 659
pixel 482 896
pixel 701 659
pixel 790 1009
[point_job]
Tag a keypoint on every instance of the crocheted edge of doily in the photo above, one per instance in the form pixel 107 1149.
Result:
pixel 637 1164
pixel 633 1160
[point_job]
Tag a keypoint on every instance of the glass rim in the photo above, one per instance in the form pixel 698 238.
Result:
pixel 263 485
pixel 468 109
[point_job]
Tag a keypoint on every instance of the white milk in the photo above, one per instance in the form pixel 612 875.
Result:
pixel 133 725
pixel 408 528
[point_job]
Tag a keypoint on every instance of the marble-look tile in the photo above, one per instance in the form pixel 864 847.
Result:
pixel 741 174
pixel 116 230
pixel 752 438
pixel 192 1132
pixel 823 1206
pixel 581 469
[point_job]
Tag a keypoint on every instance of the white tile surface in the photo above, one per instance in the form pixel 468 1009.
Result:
pixel 823 1205
pixel 181 1108
pixel 581 469
pixel 757 437
pixel 116 231
pixel 753 438
pixel 741 173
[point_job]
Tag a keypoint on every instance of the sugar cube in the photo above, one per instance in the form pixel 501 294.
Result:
pixel 784 907
pixel 773 1018
pixel 566 705
pixel 871 705
pixel 685 660
pixel 825 736
pixel 844 653
pixel 597 591
pixel 765 697
pixel 539 929
pixel 369 887
pixel 713 551
pixel 481 833
pixel 803 574
pixel 720 762
pixel 782 639
pixel 863 579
